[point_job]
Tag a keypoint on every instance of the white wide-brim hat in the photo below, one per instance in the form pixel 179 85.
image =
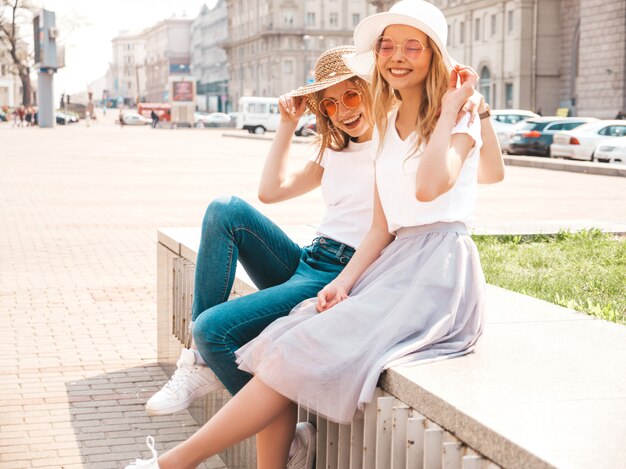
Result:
pixel 416 13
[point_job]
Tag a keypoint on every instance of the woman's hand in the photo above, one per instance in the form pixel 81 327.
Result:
pixel 476 102
pixel 330 295
pixel 455 100
pixel 291 108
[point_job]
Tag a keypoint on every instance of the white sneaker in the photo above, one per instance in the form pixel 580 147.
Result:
pixel 189 382
pixel 303 447
pixel 151 463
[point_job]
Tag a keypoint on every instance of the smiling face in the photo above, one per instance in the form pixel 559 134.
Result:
pixel 352 121
pixel 400 71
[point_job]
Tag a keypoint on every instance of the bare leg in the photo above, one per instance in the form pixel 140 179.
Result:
pixel 247 413
pixel 273 442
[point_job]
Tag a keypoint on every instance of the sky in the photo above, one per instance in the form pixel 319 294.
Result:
pixel 86 28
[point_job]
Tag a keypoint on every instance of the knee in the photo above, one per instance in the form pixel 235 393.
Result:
pixel 210 336
pixel 224 211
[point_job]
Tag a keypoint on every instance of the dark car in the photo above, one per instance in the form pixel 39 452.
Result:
pixel 534 136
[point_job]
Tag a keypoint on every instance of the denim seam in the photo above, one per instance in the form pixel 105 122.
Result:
pixel 263 243
pixel 226 294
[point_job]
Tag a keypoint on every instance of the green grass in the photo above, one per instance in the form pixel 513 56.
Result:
pixel 585 271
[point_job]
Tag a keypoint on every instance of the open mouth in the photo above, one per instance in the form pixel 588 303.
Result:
pixel 399 72
pixel 352 122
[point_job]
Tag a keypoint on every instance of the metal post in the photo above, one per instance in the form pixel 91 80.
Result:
pixel 46 105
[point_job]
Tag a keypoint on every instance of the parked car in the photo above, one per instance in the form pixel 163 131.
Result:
pixel 134 118
pixel 505 122
pixel 64 119
pixel 612 150
pixel 581 143
pixel 214 119
pixel 306 125
pixel 3 117
pixel 534 136
pixel 258 114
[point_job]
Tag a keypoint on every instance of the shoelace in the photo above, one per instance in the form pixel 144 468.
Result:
pixel 179 377
pixel 150 445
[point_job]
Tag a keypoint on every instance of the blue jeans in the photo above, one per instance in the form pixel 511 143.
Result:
pixel 285 274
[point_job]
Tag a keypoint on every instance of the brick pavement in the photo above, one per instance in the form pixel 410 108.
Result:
pixel 79 209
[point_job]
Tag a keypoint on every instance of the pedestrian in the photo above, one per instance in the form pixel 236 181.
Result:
pixel 620 115
pixel 155 119
pixel 21 115
pixel 28 116
pixel 120 117
pixel 90 110
pixel 335 101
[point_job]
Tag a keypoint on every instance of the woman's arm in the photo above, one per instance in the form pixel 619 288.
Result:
pixel 276 185
pixel 376 239
pixel 445 153
pixel 491 163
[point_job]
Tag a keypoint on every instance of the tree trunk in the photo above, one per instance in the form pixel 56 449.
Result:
pixel 26 86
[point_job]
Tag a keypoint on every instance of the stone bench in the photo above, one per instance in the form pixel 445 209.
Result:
pixel 546 386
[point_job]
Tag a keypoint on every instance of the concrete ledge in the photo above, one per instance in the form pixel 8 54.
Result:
pixel 267 136
pixel 603 169
pixel 545 387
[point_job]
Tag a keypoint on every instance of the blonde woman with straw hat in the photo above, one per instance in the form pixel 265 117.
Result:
pixel 343 167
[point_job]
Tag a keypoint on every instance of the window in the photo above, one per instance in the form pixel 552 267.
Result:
pixel 477 29
pixel 462 32
pixel 508 95
pixel 510 20
pixel 356 19
pixel 485 84
pixel 493 25
pixel 310 18
pixel 288 67
pixel 613 130
pixel 288 17
pixel 334 19
pixel 448 39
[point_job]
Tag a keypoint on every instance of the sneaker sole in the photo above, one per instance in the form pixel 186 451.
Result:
pixel 186 403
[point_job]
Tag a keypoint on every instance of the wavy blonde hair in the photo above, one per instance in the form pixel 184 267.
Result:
pixel 329 136
pixel 385 99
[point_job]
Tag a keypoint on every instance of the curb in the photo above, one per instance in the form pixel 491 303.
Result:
pixel 602 169
pixel 269 138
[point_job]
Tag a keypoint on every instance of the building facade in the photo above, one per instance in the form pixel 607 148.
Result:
pixel 168 57
pixel 272 45
pixel 127 74
pixel 209 62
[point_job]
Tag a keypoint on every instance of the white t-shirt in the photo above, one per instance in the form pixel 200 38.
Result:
pixel 348 192
pixel 396 180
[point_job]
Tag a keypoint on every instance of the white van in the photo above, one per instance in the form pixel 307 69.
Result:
pixel 258 114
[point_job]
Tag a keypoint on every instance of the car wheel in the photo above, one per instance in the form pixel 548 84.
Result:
pixel 593 157
pixel 298 132
pixel 259 130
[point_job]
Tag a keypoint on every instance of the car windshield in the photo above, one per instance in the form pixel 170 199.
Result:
pixel 533 125
pixel 585 127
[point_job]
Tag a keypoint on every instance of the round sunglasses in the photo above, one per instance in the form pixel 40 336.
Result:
pixel 411 48
pixel 350 98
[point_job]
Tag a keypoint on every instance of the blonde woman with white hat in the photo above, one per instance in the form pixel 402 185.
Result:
pixel 264 406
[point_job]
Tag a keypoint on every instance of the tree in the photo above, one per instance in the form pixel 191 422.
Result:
pixel 15 22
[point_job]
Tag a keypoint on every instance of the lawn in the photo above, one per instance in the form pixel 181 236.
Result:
pixel 585 271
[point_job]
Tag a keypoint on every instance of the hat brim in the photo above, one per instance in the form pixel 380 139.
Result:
pixel 371 28
pixel 320 85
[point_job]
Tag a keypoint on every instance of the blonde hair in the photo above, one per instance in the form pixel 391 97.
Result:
pixel 329 136
pixel 386 99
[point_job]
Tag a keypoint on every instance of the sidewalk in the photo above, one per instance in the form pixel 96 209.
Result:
pixel 79 209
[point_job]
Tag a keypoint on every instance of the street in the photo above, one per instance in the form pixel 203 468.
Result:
pixel 79 210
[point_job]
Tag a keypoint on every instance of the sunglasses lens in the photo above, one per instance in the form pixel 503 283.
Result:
pixel 351 99
pixel 385 47
pixel 328 107
pixel 413 48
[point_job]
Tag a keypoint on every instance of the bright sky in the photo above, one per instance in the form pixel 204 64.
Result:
pixel 87 26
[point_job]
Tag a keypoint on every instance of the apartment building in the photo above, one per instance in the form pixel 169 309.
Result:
pixel 272 45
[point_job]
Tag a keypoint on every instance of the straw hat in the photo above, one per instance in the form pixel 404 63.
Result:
pixel 330 69
pixel 416 13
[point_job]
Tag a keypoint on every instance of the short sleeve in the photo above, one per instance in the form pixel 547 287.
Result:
pixel 313 157
pixel 472 130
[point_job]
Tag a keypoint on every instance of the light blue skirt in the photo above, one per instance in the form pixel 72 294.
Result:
pixel 422 299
